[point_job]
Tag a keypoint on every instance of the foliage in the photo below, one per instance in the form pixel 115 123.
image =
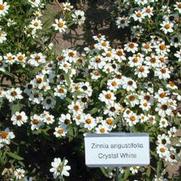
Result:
pixel 49 100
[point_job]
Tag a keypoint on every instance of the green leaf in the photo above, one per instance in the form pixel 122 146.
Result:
pixel 103 170
pixel 16 107
pixel 94 110
pixel 148 172
pixel 103 81
pixel 15 156
pixel 126 174
pixel 3 158
pixel 67 78
pixel 159 167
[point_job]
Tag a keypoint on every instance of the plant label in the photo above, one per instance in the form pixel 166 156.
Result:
pixel 117 149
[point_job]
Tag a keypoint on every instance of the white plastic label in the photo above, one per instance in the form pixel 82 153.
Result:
pixel 117 149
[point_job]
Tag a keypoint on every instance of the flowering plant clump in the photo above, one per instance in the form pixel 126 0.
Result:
pixel 48 101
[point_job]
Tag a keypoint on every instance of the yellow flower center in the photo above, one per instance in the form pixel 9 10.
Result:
pixel 131 45
pixel 109 121
pixel 138 14
pixel 1 7
pixel 119 53
pixel 132 98
pixel 167 26
pixel 162 47
pixel 35 121
pixel 108 96
pixel 76 108
pixel 88 121
pixel 19 117
pixel 4 134
pixel 102 130
pixel 60 24
pixel 141 69
pixel 114 83
pixel 133 118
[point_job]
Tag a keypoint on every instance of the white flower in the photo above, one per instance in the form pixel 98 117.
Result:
pixel 60 25
pixel 60 91
pixel 19 118
pixel 67 6
pixel 138 16
pixel 102 129
pixel 60 168
pixel 19 173
pixel 145 105
pixel 163 139
pixel 36 122
pixel 152 61
pixel 3 8
pixel 162 73
pixel 113 84
pixel 65 119
pixel 85 89
pixel 178 7
pixel 165 109
pixel 99 37
pixel 5 137
pixel 162 151
pixel 35 97
pixel 60 131
pixel 20 58
pixel 47 118
pixel 162 96
pixel 14 94
pixel 167 27
pixel 95 74
pixel 142 71
pixel 134 170
pixel 78 118
pixel 131 100
pixel 131 47
pixel 9 58
pixel 75 107
pixel 97 62
pixel 151 119
pixel 35 3
pixel 78 17
pixel 141 2
pixel 143 118
pixel 37 59
pixel 2 35
pixel 102 45
pixel 148 11
pixel 36 24
pixel 120 55
pixel 10 22
pixel 113 109
pixel 135 60
pixel 178 55
pixel 70 55
pixel 49 103
pixel 107 96
pixel 89 122
pixel 132 119
pixel 161 48
pixel 122 22
pixel 163 123
pixel 173 157
pixel 109 123
pixel 147 47
pixel 172 132
pixel 129 84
